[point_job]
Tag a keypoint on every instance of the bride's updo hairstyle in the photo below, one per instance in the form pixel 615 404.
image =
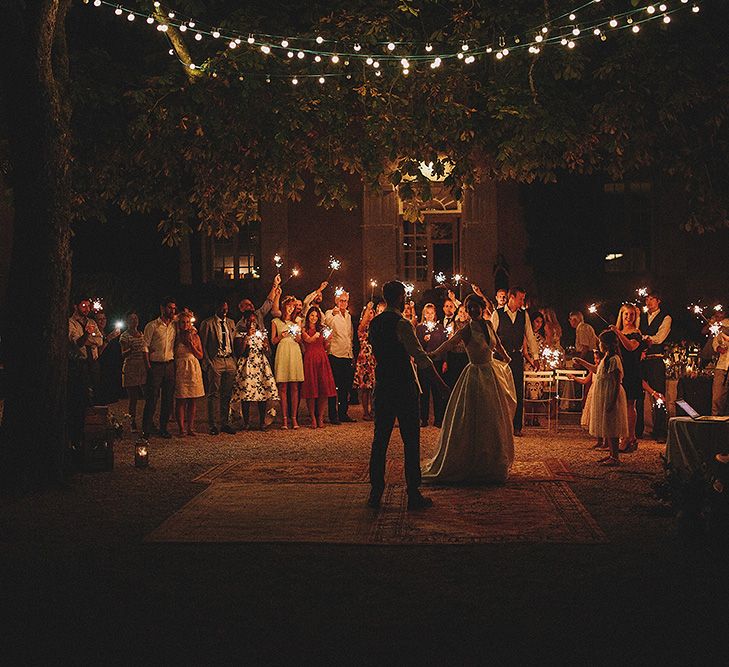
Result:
pixel 475 306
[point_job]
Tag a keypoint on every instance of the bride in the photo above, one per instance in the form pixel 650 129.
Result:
pixel 477 439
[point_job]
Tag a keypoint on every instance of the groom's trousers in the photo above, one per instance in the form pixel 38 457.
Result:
pixel 402 404
pixel 517 370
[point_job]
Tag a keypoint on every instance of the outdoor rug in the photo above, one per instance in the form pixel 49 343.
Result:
pixel 336 513
pixel 304 471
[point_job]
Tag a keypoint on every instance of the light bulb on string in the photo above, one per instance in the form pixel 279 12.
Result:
pixel 162 27
pixel 570 45
pixel 295 81
pixel 150 20
pixel 464 47
pixel 369 61
pixel 232 44
pixel 538 38
pixel 459 56
pixel 284 43
pixel 97 3
pixel 130 17
pixel 376 64
pixel 596 32
pixel 118 11
pixel 629 21
pixel 289 54
pixel 636 29
pixel 613 23
pixel 317 58
pixel 662 7
pixel 183 27
pixel 171 15
pixel 428 47
pixel 265 48
pixel 335 58
pixel 300 55
pixel 404 62
pixel 391 46
pixel 251 39
pixel 695 9
pixel 378 73
pixel 191 23
pixel 198 37
pixel 216 34
pixel 499 55
pixel 405 72
pixel 505 52
pixel 357 47
pixel 319 39
pixel 563 41
pixel 666 19
pixel 575 31
pixel 156 4
pixel 322 79
pixel 650 9
pixel 489 49
pixel 545 29
pixel 572 17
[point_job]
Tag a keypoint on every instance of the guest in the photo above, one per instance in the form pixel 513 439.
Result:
pixel 217 334
pixel 535 390
pixel 364 375
pixel 254 380
pixel 270 305
pixel 380 308
pixel 135 360
pixel 341 354
pixel 409 313
pixel 83 371
pixel 298 311
pixel 457 357
pixel 552 329
pixel 587 407
pixel 656 327
pixel 631 342
pixel 513 326
pixel 431 336
pixel 585 337
pixel 609 409
pixel 502 296
pixel 109 387
pixel 288 364
pixel 537 319
pixel 188 374
pixel 720 386
pixel 319 384
pixel 449 312
pixel 159 338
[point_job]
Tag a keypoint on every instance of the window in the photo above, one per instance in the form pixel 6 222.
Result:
pixel 238 257
pixel 628 211
pixel 430 247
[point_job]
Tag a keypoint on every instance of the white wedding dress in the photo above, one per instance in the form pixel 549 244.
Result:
pixel 476 442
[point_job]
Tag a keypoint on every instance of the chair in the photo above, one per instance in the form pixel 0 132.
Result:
pixel 538 390
pixel 564 379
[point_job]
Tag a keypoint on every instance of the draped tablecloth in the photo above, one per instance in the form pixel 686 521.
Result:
pixel 693 443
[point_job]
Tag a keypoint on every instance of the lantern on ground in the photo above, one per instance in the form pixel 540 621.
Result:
pixel 141 453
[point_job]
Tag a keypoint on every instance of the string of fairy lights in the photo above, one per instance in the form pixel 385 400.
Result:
pixel 565 30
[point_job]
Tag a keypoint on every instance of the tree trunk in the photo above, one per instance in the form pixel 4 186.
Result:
pixel 35 101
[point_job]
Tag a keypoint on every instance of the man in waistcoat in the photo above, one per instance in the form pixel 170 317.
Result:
pixel 655 327
pixel 397 394
pixel 512 324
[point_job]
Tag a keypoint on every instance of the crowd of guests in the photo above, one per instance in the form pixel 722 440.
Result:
pixel 289 349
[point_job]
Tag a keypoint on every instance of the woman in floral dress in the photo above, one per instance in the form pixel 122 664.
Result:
pixel 364 376
pixel 254 381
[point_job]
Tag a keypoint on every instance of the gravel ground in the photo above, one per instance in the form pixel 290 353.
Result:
pixel 82 585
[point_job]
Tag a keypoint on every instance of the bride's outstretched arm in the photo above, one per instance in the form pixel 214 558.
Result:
pixel 447 345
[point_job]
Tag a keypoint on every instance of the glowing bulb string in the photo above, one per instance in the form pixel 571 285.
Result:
pixel 374 59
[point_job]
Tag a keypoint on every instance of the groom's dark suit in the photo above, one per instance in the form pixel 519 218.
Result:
pixel 396 395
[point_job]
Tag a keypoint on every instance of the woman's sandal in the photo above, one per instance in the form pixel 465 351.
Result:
pixel 609 461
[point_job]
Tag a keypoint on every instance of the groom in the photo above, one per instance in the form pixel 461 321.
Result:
pixel 397 394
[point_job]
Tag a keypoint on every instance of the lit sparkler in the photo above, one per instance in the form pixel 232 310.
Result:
pixel 592 309
pixel 698 310
pixel 373 284
pixel 409 289
pixel 338 291
pixel 642 292
pixel 430 326
pixel 294 330
pixel 294 274
pixel 119 324
pixel 334 265
pixel 440 278
pixel 97 305
pixel 326 332
pixel 278 262
pixel 552 357
pixel 715 329
pixel 449 330
pixel 718 308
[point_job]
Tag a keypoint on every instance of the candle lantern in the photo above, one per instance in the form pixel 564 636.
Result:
pixel 141 453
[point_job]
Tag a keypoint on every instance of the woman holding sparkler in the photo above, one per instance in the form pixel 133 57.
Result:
pixel 289 364
pixel 188 374
pixel 632 346
pixel 254 381
pixel 364 374
pixel 318 385
pixel 477 439
pixel 431 335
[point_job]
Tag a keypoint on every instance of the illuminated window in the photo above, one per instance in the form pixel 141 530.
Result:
pixel 238 257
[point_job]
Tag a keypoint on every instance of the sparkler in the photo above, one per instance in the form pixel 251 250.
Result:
pixel 278 262
pixel 409 289
pixel 338 291
pixel 642 292
pixel 97 305
pixel 715 329
pixel 119 324
pixel 334 265
pixel 294 330
pixel 718 308
pixel 440 278
pixel 260 334
pixel 430 326
pixel 373 284
pixel 449 330
pixel 698 310
pixel 294 274
pixel 326 332
pixel 552 357
pixel 592 308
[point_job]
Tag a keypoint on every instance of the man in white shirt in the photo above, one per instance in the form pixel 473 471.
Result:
pixel 339 320
pixel 159 337
pixel 655 326
pixel 314 298
pixel 720 387
pixel 585 336
pixel 513 326
pixel 217 334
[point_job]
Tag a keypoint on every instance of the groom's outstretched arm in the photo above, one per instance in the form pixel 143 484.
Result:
pixel 406 334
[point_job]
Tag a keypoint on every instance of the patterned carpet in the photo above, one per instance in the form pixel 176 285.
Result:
pixel 325 503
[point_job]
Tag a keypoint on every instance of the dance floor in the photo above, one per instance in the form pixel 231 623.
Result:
pixel 297 501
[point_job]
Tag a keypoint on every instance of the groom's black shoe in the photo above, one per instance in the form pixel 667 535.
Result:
pixel 419 502
pixel 374 500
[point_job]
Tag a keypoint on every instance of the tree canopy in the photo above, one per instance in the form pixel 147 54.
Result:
pixel 205 146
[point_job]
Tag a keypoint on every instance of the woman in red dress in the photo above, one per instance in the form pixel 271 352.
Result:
pixel 318 379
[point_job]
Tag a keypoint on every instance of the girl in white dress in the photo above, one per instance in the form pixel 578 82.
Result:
pixel 477 439
pixel 609 406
